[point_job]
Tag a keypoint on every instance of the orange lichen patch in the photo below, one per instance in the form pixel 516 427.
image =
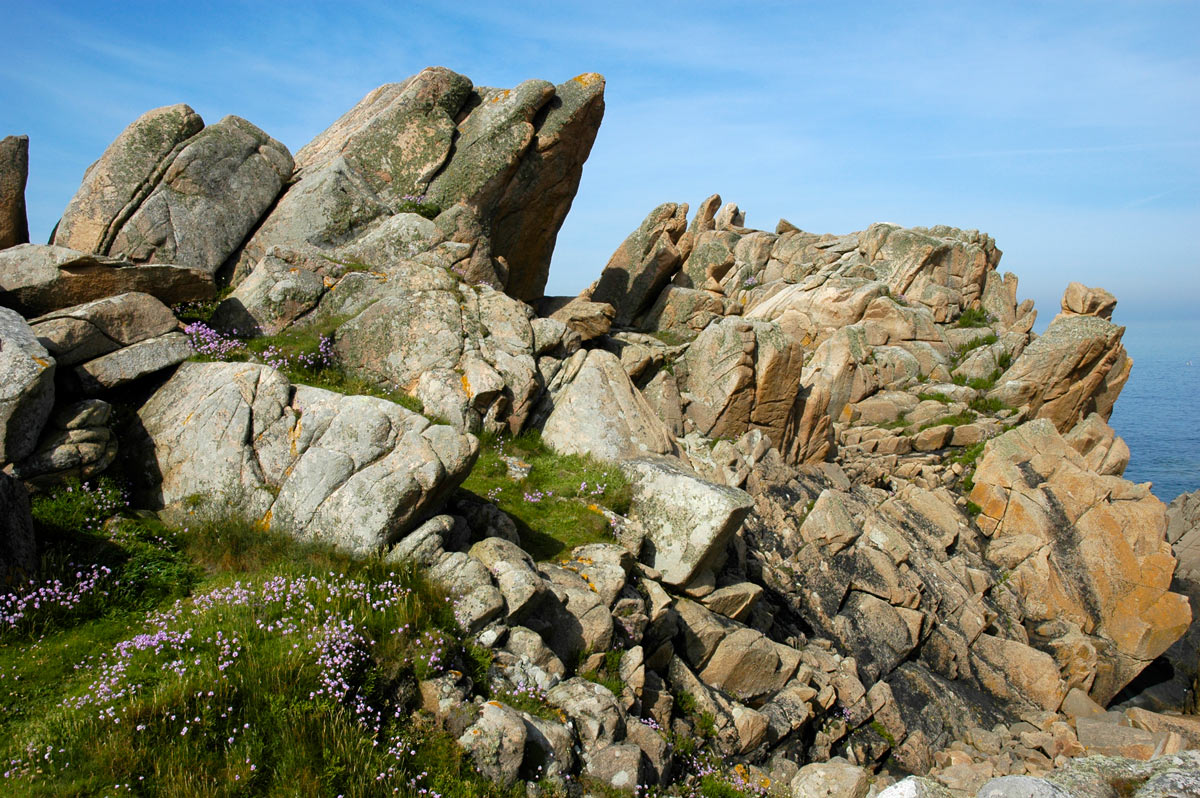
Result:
pixel 466 384
pixel 384 176
pixel 265 522
pixel 588 78
pixel 42 362
pixel 501 95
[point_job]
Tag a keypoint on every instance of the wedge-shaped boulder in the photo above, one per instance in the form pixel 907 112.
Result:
pixel 130 168
pixel 77 442
pixel 596 712
pixel 643 264
pixel 601 413
pixel 356 471
pixel 37 279
pixel 688 520
pixel 14 171
pixel 26 387
pixel 496 742
pixel 131 363
pixel 208 199
pixel 1084 550
pixel 1077 367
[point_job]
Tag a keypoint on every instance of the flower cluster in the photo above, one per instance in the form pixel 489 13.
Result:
pixel 324 357
pixel 207 341
pixel 750 282
pixel 18 610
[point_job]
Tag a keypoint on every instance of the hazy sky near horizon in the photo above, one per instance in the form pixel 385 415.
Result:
pixel 1069 131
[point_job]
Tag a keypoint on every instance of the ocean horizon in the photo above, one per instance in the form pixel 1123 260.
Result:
pixel 1156 413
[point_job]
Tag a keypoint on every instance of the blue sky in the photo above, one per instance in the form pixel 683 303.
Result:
pixel 1068 131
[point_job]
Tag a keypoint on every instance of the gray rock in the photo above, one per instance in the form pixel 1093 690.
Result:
pixel 130 168
pixel 14 171
pixel 207 200
pixel 77 442
pixel 37 279
pixel 601 413
pixel 623 766
pixel 830 780
pixel 688 521
pixel 514 573
pixel 26 387
pixel 1021 787
pixel 595 711
pixel 18 549
pixel 356 471
pixel 915 787
pixel 83 332
pixel 589 319
pixel 132 363
pixel 496 742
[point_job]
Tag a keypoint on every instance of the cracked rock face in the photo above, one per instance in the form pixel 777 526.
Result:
pixel 170 190
pixel 355 471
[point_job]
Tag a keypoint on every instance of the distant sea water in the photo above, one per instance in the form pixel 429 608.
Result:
pixel 1158 412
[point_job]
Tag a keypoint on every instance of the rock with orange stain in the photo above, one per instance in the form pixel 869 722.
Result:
pixel 1087 554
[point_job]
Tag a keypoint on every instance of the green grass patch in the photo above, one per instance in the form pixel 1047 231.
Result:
pixel 419 206
pixel 233 662
pixel 987 405
pixel 983 340
pixel 609 673
pixel 557 506
pixel 954 420
pixel 901 422
pixel 937 396
pixel 973 317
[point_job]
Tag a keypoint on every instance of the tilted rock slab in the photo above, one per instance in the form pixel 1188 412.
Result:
pixel 688 520
pixel 1075 368
pixel 37 279
pixel 1087 554
pixel 169 190
pixel 26 387
pixel 355 471
pixel 14 171
pixel 502 165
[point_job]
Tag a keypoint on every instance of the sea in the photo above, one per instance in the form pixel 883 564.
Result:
pixel 1158 412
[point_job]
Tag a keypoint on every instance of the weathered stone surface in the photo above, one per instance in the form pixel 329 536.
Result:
pixel 502 165
pixel 688 521
pixel 643 264
pixel 530 212
pixel 132 362
pixel 514 573
pixel 1072 539
pixel 83 332
pixel 352 470
pixel 1021 787
pixel 600 412
pixel 14 171
pixel 131 167
pixel 496 742
pixel 830 780
pixel 1079 300
pixel 37 279
pixel 597 715
pixel 589 319
pixel 743 375
pixel 18 549
pixel 76 442
pixel 1075 368
pixel 26 387
pixel 208 198
pixel 623 766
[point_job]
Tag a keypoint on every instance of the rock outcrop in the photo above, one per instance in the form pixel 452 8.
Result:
pixel 26 387
pixel 170 190
pixel 14 171
pixel 503 161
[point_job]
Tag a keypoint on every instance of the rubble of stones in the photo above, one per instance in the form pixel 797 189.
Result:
pixel 878 527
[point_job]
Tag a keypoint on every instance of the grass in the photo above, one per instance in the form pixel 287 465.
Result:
pixel 901 422
pixel 420 206
pixel 558 505
pixel 973 317
pixel 936 397
pixel 954 420
pixel 609 673
pixel 983 340
pixel 219 660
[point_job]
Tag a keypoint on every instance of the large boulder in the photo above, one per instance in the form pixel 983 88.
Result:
pixel 26 387
pixel 600 412
pixel 169 190
pixel 78 442
pixel 355 471
pixel 1077 367
pixel 37 279
pixel 502 165
pixel 688 520
pixel 14 171
pixel 1086 554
